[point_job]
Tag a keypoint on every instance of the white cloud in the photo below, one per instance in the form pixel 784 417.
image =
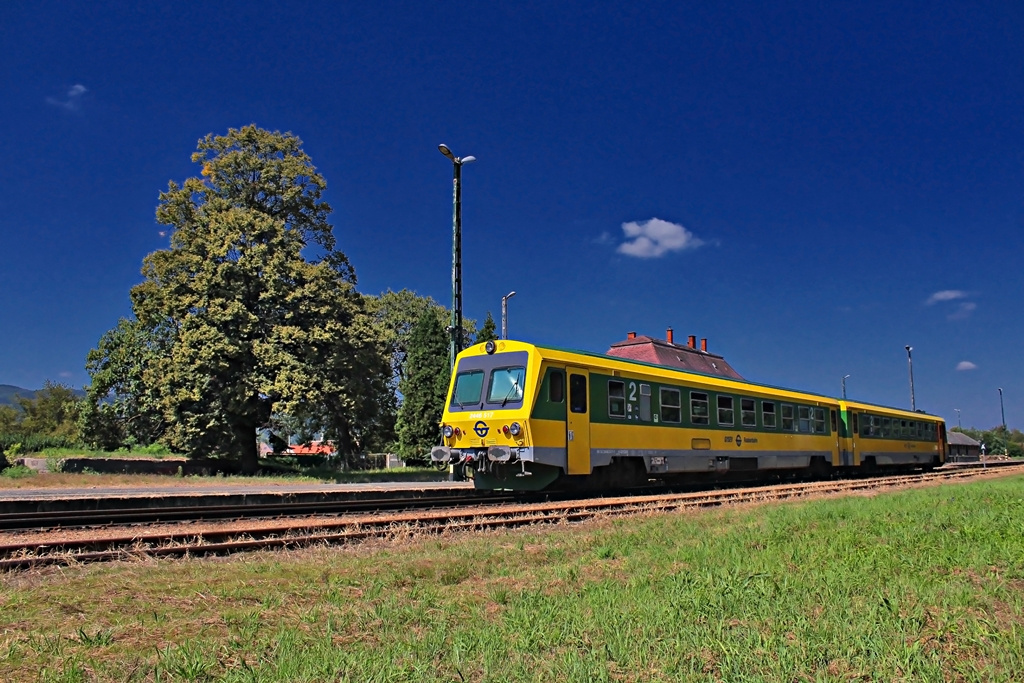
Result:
pixel 945 295
pixel 72 100
pixel 965 365
pixel 654 238
pixel 963 311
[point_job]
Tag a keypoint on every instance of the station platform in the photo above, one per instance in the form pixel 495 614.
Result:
pixel 26 501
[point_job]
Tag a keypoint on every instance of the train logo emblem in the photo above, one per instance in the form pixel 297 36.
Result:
pixel 739 439
pixel 481 428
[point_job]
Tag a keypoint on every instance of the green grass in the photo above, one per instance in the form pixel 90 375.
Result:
pixel 922 585
pixel 156 451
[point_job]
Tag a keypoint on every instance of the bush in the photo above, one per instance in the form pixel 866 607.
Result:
pixel 17 472
pixel 34 443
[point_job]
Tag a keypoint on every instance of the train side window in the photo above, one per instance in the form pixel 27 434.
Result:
pixel 803 419
pixel 818 427
pixel 578 393
pixel 787 417
pixel 556 386
pixel 886 428
pixel 835 425
pixel 670 409
pixel 725 412
pixel 853 424
pixel 645 402
pixel 616 398
pixel 768 414
pixel 699 408
pixel 748 415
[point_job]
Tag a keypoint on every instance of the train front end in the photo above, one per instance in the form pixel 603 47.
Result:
pixel 485 426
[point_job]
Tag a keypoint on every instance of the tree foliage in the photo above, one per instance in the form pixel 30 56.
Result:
pixel 122 406
pixel 235 324
pixel 488 331
pixel 998 440
pixel 52 413
pixel 423 387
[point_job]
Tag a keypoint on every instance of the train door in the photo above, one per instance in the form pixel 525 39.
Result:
pixel 943 444
pixel 578 422
pixel 855 438
pixel 837 435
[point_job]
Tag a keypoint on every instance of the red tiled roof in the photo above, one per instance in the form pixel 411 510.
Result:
pixel 315 448
pixel 661 352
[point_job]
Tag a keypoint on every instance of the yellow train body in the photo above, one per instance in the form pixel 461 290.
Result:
pixel 521 416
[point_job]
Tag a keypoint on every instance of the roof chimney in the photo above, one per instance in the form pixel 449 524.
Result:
pixel 704 345
pixel 631 335
pixel 669 336
pixel 691 341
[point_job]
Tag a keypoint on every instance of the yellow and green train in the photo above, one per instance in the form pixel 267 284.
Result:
pixel 525 417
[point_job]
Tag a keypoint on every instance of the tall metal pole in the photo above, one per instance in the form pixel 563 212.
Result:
pixel 504 314
pixel 845 377
pixel 456 343
pixel 1001 411
pixel 958 425
pixel 456 322
pixel 910 367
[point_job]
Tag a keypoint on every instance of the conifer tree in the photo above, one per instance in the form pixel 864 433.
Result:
pixel 424 386
pixel 488 331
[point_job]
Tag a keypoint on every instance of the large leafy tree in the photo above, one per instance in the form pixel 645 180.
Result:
pixel 259 308
pixel 423 387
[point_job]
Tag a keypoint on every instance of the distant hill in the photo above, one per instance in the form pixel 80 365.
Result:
pixel 9 391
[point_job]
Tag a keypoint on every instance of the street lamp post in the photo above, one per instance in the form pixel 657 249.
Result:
pixel 456 326
pixel 504 314
pixel 958 425
pixel 910 367
pixel 1001 411
pixel 845 377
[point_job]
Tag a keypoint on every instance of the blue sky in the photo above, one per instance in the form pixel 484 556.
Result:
pixel 811 186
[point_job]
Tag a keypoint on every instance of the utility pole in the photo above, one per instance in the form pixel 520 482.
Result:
pixel 504 314
pixel 910 366
pixel 456 326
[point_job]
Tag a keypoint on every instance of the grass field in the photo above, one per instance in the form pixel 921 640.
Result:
pixel 921 585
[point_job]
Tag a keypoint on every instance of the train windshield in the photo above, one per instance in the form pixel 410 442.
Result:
pixel 506 385
pixel 467 387
pixel 504 375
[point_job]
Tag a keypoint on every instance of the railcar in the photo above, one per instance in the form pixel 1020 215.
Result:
pixel 524 417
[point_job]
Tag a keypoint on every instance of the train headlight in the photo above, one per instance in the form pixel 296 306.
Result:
pixel 490 347
pixel 515 429
pixel 447 431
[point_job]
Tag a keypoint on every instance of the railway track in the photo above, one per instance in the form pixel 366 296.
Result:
pixel 29 553
pixel 150 515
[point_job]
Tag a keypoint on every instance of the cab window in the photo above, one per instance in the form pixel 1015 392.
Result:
pixel 506 385
pixel 467 387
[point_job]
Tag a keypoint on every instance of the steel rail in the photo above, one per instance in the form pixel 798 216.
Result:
pixel 343 530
